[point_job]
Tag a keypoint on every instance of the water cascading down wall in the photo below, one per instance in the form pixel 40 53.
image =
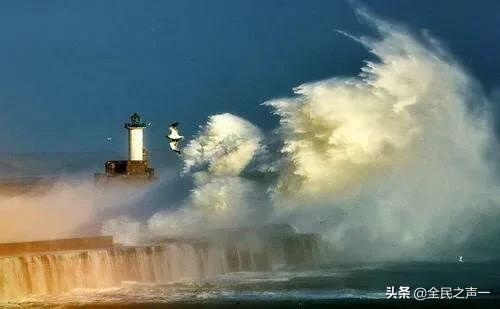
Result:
pixel 63 271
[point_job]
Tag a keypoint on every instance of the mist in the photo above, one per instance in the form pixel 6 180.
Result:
pixel 65 207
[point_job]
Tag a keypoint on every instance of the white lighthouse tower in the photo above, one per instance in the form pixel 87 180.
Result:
pixel 135 138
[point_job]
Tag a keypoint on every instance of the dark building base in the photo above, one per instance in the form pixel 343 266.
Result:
pixel 126 171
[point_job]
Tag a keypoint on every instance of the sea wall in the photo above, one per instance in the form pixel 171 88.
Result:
pixel 59 272
pixel 56 245
pixel 63 271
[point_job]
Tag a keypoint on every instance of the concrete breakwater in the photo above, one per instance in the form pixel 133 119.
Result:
pixel 80 243
pixel 57 272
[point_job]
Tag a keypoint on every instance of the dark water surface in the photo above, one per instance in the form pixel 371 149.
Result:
pixel 322 286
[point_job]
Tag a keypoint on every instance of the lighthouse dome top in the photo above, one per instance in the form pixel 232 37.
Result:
pixel 135 122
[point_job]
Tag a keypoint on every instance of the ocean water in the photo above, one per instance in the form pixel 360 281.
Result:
pixel 324 286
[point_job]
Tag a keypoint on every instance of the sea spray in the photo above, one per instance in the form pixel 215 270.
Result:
pixel 388 165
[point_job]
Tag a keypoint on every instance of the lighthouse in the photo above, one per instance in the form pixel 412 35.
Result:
pixel 135 138
pixel 136 168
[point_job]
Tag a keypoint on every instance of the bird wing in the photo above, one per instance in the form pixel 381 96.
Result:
pixel 174 133
pixel 174 145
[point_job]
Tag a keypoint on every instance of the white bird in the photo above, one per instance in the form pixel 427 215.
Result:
pixel 174 134
pixel 109 139
pixel 174 137
pixel 460 259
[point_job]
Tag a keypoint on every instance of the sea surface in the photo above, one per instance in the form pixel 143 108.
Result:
pixel 320 286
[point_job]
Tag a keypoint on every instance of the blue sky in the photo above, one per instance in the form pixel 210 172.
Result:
pixel 71 72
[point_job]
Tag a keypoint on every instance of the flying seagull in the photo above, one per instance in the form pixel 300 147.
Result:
pixel 460 259
pixel 109 139
pixel 174 137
